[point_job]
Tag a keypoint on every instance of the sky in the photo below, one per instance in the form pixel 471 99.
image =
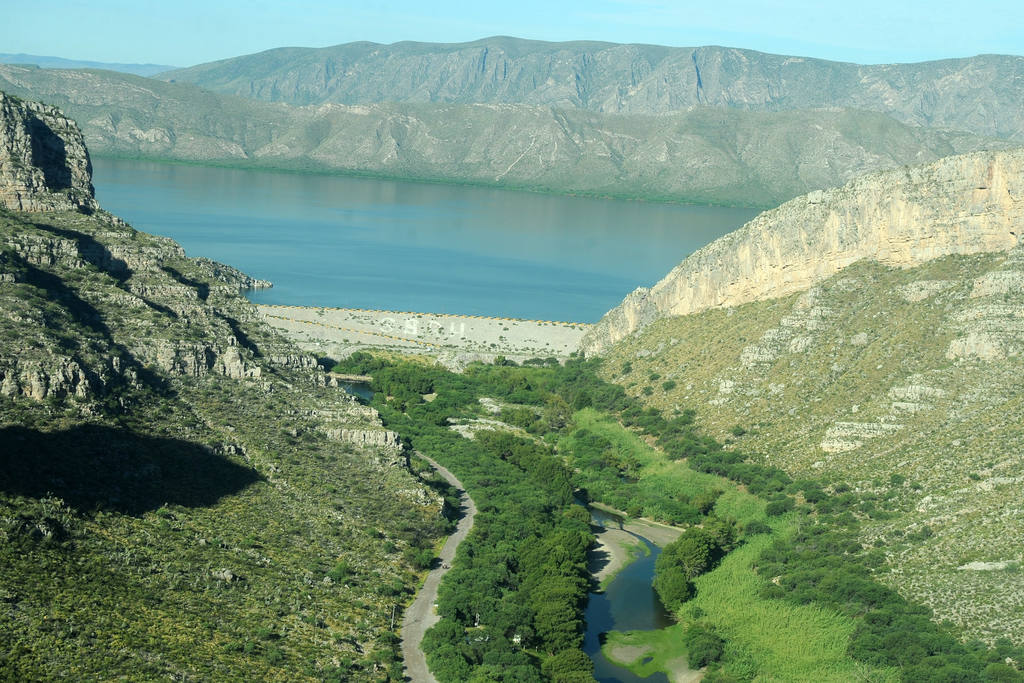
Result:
pixel 188 32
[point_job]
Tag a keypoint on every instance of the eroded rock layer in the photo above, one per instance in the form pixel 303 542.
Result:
pixel 44 165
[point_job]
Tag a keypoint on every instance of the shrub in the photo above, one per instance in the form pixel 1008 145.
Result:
pixel 737 430
pixel 703 647
pixel 777 508
pixel 755 527
pixel 340 572
pixel 668 385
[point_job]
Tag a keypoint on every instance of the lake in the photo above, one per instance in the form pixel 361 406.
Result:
pixel 381 244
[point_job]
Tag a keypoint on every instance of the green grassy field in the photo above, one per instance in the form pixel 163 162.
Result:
pixel 768 640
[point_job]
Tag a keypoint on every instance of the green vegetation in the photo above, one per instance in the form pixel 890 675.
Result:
pixel 158 522
pixel 946 418
pixel 738 613
pixel 152 507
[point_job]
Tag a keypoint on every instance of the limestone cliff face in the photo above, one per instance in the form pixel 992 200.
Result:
pixel 960 205
pixel 44 165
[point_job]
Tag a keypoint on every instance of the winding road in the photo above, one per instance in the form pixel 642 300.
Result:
pixel 420 616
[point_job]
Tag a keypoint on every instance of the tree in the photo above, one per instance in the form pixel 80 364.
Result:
pixel 690 553
pixel 673 588
pixel 569 666
pixel 702 646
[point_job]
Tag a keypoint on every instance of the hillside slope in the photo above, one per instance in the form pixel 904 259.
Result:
pixel 183 495
pixel 980 94
pixel 872 337
pixel 706 155
pixel 892 381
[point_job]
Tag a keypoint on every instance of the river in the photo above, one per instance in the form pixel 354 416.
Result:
pixel 380 244
pixel 629 603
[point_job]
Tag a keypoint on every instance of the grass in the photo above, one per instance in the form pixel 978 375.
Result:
pixel 659 475
pixel 789 643
pixel 659 650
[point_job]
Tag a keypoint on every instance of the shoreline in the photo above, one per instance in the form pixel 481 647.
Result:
pixel 614 549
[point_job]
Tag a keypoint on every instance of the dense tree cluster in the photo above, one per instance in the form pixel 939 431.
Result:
pixel 519 583
pixel 695 552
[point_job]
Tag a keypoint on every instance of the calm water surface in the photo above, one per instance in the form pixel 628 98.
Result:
pixel 379 244
pixel 629 603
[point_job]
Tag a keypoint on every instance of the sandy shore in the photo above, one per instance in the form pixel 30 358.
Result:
pixel 615 548
pixel 658 534
pixel 655 532
pixel 612 551
pixel 429 333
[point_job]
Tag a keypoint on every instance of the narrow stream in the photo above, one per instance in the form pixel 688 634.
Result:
pixel 629 603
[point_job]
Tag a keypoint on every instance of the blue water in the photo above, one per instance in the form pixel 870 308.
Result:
pixel 629 603
pixel 378 244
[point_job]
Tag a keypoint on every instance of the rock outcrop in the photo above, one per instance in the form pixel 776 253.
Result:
pixel 960 205
pixel 44 165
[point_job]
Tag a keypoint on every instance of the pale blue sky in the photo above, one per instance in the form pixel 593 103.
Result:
pixel 189 32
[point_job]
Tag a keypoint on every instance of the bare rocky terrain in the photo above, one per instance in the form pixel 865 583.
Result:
pixel 980 94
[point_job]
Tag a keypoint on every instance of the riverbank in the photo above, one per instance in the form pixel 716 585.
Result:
pixel 646 652
pixel 655 532
pixel 613 549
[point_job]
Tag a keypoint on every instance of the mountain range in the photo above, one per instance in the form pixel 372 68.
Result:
pixel 981 94
pixel 706 154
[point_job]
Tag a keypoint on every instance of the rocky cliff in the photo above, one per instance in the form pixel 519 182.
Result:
pixel 150 420
pixel 981 94
pixel 44 165
pixel 960 205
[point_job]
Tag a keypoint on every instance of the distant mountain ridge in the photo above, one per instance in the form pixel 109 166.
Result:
pixel 982 94
pixel 705 155
pixel 61 63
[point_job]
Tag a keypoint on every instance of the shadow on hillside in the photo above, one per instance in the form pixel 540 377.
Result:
pixel 50 154
pixel 94 467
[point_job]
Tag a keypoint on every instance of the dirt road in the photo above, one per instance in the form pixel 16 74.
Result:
pixel 420 615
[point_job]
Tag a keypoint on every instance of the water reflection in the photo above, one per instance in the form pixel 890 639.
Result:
pixel 378 244
pixel 629 603
pixel 359 389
